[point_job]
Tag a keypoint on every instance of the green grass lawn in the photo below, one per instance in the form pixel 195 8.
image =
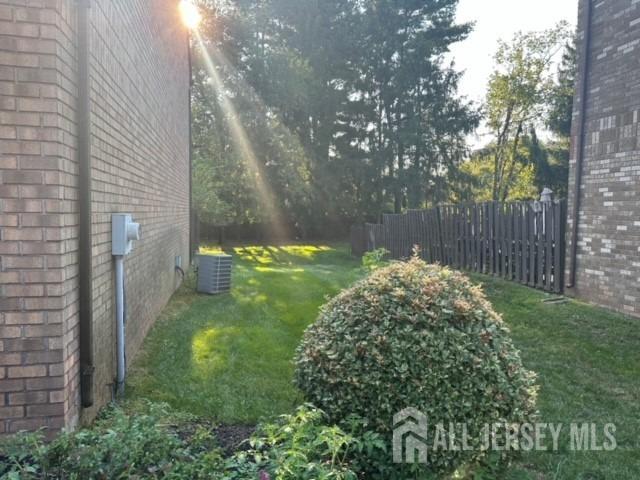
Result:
pixel 588 365
pixel 229 357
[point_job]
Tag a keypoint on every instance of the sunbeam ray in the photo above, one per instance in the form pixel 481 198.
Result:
pixel 241 141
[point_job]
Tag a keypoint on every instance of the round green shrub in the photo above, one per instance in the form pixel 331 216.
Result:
pixel 421 336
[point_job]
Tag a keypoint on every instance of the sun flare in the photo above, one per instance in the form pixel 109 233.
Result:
pixel 190 14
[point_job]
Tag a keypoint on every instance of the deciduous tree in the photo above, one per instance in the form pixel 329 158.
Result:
pixel 518 99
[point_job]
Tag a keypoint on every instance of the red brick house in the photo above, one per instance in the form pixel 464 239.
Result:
pixel 94 120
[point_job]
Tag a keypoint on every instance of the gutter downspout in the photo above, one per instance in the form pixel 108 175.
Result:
pixel 192 217
pixel 584 93
pixel 84 208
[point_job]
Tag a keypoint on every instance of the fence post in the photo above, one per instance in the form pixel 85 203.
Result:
pixel 557 244
pixel 440 234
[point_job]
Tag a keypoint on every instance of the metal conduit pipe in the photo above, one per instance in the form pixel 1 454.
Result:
pixel 120 340
pixel 123 233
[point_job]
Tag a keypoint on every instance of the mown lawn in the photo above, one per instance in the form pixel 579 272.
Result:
pixel 588 365
pixel 229 357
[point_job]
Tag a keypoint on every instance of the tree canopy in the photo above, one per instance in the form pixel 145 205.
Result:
pixel 311 115
pixel 324 112
pixel 525 96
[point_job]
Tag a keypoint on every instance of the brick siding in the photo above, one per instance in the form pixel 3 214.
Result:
pixel 608 261
pixel 140 150
pixel 37 215
pixel 139 143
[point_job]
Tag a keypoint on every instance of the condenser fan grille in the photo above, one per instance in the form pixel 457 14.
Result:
pixel 214 273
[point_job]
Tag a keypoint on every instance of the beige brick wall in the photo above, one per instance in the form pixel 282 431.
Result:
pixel 37 215
pixel 139 94
pixel 139 85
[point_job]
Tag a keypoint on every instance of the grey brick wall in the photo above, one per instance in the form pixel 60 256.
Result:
pixel 139 143
pixel 608 261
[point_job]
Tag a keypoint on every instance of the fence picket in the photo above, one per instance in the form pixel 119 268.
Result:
pixel 559 247
pixel 517 241
pixel 491 246
pixel 509 220
pixel 523 242
pixel 532 246
pixel 517 217
pixel 540 250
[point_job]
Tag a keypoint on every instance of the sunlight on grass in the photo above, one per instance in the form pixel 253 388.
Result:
pixel 229 357
pixel 208 347
pixel 278 254
pixel 281 270
pixel 248 296
pixel 308 251
pixel 211 250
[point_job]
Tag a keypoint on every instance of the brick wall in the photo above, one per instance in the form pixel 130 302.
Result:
pixel 139 145
pixel 608 261
pixel 37 215
pixel 139 108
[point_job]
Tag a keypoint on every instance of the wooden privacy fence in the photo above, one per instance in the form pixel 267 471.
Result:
pixel 522 242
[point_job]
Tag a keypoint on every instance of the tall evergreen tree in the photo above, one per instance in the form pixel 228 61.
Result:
pixel 409 121
pixel 348 104
pixel 561 101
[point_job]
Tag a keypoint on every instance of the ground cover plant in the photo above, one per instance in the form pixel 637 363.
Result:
pixel 152 441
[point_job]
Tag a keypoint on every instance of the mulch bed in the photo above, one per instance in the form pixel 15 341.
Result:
pixel 232 437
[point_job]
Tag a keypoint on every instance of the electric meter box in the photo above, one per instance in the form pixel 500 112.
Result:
pixel 123 232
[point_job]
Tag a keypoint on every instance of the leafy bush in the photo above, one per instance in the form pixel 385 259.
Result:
pixel 116 446
pixel 301 446
pixel 22 456
pixel 375 259
pixel 415 335
pixel 156 443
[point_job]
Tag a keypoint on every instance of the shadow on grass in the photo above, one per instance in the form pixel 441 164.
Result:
pixel 229 357
pixel 588 365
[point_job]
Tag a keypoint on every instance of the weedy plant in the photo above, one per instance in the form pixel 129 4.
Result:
pixel 375 259
pixel 302 446
pixel 150 444
pixel 157 443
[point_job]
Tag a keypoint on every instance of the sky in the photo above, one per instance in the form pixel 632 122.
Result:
pixel 500 19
